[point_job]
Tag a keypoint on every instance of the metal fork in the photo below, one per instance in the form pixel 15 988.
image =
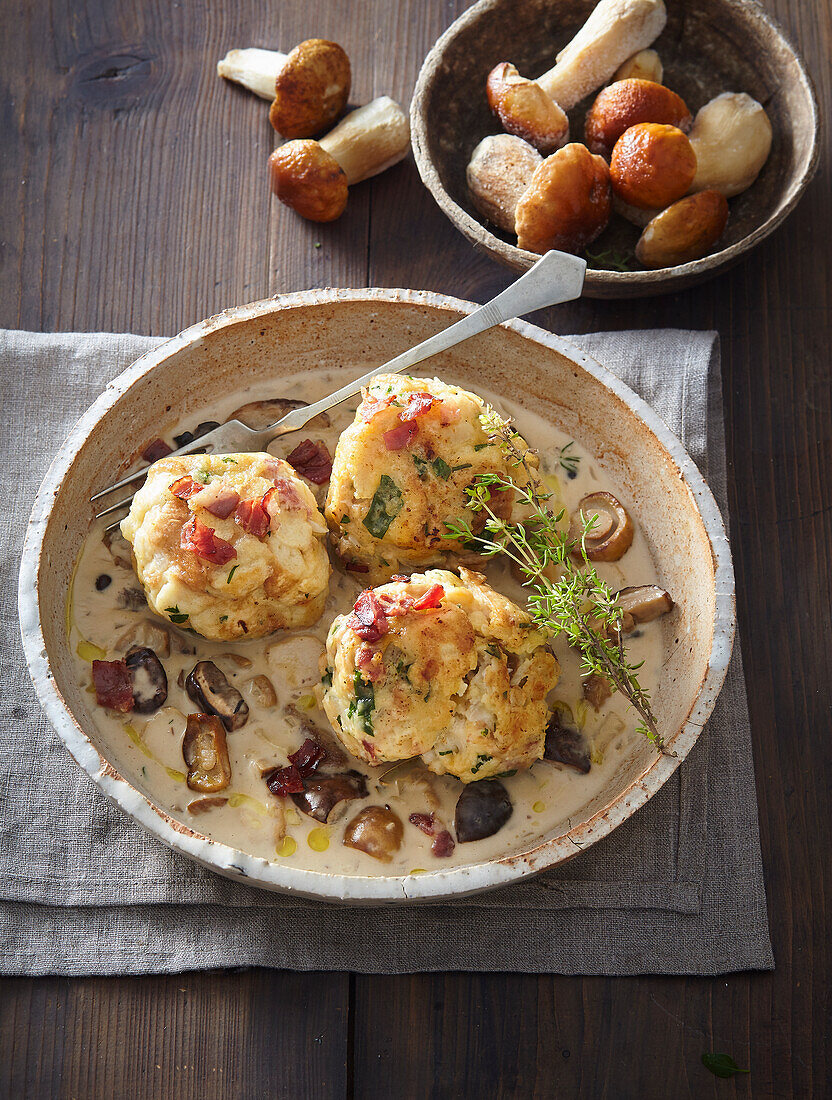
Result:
pixel 556 277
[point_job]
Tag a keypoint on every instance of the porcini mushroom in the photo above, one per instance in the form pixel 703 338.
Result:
pixel 642 604
pixel 482 809
pixel 313 176
pixel 652 165
pixel 205 751
pixel 644 65
pixel 309 87
pixel 375 830
pixel 626 103
pixel 208 687
pixel 499 171
pixel 685 231
pixel 567 203
pixel 731 137
pixel 611 533
pixel 525 110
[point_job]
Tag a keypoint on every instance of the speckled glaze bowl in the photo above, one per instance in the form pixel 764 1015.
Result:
pixel 707 47
pixel 266 340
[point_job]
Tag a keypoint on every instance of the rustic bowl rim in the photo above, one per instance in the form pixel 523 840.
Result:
pixel 607 283
pixel 434 885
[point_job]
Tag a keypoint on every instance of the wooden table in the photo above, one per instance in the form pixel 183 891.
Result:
pixel 135 198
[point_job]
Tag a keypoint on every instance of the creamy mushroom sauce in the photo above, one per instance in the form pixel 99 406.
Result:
pixel 149 747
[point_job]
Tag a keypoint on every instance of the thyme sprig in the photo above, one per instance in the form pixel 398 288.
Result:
pixel 565 597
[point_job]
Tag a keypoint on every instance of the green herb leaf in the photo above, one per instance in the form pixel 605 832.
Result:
pixel 364 703
pixel 223 618
pixel 610 259
pixel 441 468
pixel 231 460
pixel 569 462
pixel 722 1065
pixel 345 518
pixel 326 679
pixel 175 615
pixel 202 476
pixel 385 506
pixel 507 775
pixel 231 573
pixel 482 446
pixel 482 758
pixel 421 465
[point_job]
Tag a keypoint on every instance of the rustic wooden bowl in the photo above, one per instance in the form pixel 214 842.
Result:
pixel 255 345
pixel 707 47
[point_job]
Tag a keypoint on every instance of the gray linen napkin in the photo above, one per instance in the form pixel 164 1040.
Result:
pixel 677 889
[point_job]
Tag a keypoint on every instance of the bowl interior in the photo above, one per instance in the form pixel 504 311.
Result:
pixel 707 47
pixel 273 339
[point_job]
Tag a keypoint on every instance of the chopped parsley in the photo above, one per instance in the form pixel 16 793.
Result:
pixel 233 570
pixel 482 446
pixel 421 465
pixel 223 618
pixel 227 459
pixel 384 507
pixel 364 703
pixel 507 775
pixel 202 476
pixel 175 615
pixel 345 518
pixel 445 752
pixel 440 467
pixel 326 679
pixel 482 758
pixel 567 461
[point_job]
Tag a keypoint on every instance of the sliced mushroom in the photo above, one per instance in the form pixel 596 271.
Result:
pixel 203 805
pixel 375 830
pixel 482 809
pixel 145 633
pixel 612 533
pixel 642 604
pixel 132 599
pixel 498 173
pixel 565 743
pixel 209 689
pixel 323 794
pixel 262 691
pixel 262 414
pixel 150 682
pixel 596 690
pixel 205 751
pixel 236 659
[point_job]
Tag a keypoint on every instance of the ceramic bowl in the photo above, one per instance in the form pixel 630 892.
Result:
pixel 261 342
pixel 707 47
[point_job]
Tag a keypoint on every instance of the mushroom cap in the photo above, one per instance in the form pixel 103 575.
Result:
pixel 311 90
pixel 686 230
pixel 626 103
pixel 310 180
pixel 567 204
pixel 525 110
pixel 499 171
pixel 652 165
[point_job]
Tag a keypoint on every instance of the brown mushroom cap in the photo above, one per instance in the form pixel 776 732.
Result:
pixel 310 180
pixel 628 102
pixel 686 230
pixel 499 171
pixel 375 830
pixel 567 204
pixel 525 110
pixel 652 165
pixel 311 90
pixel 612 534
pixel 642 604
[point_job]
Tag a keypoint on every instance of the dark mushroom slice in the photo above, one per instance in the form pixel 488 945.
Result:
pixel 323 793
pixel 132 599
pixel 201 429
pixel 205 751
pixel 596 690
pixel 565 744
pixel 261 414
pixel 642 604
pixel 203 805
pixel 209 689
pixel 612 533
pixel 375 830
pixel 150 682
pixel 482 809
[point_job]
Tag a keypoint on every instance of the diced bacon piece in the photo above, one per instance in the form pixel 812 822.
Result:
pixel 218 499
pixel 401 436
pixel 369 661
pixel 425 822
pixel 308 757
pixel 371 749
pixel 312 461
pixel 372 405
pixel 443 844
pixel 399 577
pixel 284 495
pixel 113 685
pixel 156 450
pixel 418 404
pixel 205 543
pixel 185 487
pixel 252 516
pixel 431 598
pixel 274 467
pixel 368 619
pixel 356 567
pixel 395 603
pixel 285 781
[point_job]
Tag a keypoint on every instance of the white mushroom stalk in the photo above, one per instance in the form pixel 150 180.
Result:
pixel 369 140
pixel 614 31
pixel 255 69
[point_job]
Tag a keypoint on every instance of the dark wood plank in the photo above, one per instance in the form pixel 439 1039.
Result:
pixel 135 199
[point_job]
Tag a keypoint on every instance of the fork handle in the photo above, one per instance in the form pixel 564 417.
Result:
pixel 556 277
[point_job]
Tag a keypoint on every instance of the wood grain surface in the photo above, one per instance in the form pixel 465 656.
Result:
pixel 134 198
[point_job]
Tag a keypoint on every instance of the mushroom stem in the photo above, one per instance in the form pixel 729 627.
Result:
pixel 614 31
pixel 369 140
pixel 255 69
